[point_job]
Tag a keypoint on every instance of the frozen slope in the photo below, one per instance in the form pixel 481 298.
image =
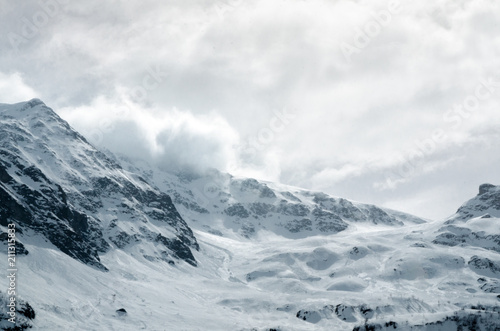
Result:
pixel 334 282
pixel 268 256
pixel 54 184
pixel 244 208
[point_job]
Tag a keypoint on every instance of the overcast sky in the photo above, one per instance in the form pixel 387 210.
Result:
pixel 385 102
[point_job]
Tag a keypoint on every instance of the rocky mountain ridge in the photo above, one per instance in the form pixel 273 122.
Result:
pixel 56 184
pixel 244 207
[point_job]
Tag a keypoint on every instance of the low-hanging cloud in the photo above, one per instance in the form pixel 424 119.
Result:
pixel 13 88
pixel 172 139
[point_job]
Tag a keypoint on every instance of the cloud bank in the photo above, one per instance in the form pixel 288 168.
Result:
pixel 390 102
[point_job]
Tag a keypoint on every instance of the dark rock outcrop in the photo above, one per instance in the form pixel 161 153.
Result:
pixel 53 182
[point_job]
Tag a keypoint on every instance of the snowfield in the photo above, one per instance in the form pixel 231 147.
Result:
pixel 376 275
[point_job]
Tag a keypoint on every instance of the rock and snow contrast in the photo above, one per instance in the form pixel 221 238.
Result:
pixel 57 186
pixel 233 207
pixel 107 242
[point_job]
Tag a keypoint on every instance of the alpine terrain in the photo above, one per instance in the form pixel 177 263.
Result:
pixel 108 242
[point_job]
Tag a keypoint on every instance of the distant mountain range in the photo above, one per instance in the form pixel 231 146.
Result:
pixel 108 242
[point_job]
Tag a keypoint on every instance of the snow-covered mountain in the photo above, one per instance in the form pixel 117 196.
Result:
pixel 486 204
pixel 475 223
pixel 56 186
pixel 113 243
pixel 234 207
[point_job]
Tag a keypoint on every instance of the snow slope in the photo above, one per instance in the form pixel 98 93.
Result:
pixel 331 282
pixel 242 208
pixel 54 183
pixel 268 256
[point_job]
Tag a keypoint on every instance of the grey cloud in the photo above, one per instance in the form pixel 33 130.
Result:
pixel 230 64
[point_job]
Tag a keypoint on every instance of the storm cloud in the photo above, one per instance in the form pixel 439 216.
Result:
pixel 385 102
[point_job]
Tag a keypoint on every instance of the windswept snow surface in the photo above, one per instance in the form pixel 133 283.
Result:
pixel 341 280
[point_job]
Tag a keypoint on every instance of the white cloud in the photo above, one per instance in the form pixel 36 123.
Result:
pixel 172 139
pixel 227 65
pixel 13 88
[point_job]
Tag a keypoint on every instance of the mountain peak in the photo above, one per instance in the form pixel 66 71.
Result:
pixel 28 110
pixel 484 188
pixel 33 103
pixel 487 202
pixel 22 106
pixel 53 182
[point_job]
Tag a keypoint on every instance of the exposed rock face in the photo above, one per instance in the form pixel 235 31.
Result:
pixel 25 314
pixel 227 205
pixel 484 188
pixel 484 266
pixel 454 236
pixel 489 285
pixel 20 249
pixel 309 316
pixel 476 222
pixel 121 312
pixel 54 183
pixel 486 203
